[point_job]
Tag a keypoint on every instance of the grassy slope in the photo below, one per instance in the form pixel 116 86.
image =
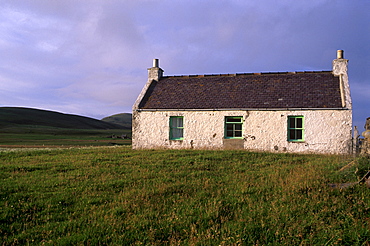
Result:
pixel 124 119
pixel 118 196
pixel 21 117
pixel 25 127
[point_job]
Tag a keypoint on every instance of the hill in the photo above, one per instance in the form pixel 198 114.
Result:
pixel 124 120
pixel 21 117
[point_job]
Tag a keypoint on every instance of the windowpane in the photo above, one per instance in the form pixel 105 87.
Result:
pixel 176 122
pixel 229 134
pixel 177 133
pixel 180 122
pixel 292 134
pixel 238 127
pixel 234 120
pixel 291 122
pixel 173 122
pixel 299 134
pixel 238 134
pixel 299 123
pixel 229 127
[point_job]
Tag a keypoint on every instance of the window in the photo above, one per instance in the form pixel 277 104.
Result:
pixel 295 128
pixel 176 127
pixel 233 127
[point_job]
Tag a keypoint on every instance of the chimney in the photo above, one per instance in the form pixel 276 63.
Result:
pixel 340 67
pixel 155 72
pixel 340 64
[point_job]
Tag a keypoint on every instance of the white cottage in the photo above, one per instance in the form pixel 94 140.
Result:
pixel 305 112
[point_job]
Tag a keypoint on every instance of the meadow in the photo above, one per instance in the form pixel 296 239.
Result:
pixel 120 196
pixel 36 128
pixel 41 137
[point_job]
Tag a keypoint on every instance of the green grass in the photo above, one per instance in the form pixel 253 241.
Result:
pixel 27 127
pixel 60 137
pixel 118 196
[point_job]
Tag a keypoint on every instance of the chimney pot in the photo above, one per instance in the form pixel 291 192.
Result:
pixel 155 62
pixel 340 54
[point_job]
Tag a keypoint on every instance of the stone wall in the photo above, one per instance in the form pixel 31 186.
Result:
pixel 365 146
pixel 326 131
pixel 365 143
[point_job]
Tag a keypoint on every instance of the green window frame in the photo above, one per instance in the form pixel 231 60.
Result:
pixel 176 127
pixel 234 127
pixel 296 128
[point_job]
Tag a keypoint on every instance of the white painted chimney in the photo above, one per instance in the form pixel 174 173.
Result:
pixel 154 75
pixel 340 64
pixel 340 67
pixel 155 72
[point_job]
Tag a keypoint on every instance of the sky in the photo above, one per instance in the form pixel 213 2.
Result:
pixel 90 57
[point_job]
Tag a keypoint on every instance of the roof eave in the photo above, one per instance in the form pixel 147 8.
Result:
pixel 245 109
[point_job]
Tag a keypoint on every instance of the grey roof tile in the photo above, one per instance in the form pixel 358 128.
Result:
pixel 233 91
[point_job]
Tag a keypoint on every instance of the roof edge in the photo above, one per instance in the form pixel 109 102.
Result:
pixel 246 109
pixel 240 74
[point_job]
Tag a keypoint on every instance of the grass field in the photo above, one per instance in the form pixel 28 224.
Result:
pixel 36 128
pixel 118 196
pixel 40 137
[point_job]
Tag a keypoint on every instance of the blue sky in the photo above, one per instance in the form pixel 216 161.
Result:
pixel 91 57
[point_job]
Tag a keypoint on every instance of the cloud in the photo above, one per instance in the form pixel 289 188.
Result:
pixel 90 57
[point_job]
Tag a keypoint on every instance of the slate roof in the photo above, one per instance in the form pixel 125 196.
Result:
pixel 245 91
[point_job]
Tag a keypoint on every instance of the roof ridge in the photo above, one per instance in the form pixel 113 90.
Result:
pixel 239 74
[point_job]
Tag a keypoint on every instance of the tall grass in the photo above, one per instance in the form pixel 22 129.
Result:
pixel 118 196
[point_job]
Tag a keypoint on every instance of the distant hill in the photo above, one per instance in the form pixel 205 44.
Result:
pixel 124 119
pixel 16 116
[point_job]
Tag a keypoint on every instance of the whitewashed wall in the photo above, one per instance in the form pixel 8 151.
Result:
pixel 326 131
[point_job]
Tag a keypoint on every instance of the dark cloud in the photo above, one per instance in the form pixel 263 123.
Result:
pixel 90 57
